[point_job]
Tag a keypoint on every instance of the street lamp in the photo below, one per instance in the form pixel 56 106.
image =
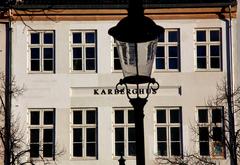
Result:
pixel 136 39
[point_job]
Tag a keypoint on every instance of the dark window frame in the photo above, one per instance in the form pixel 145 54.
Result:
pixel 168 125
pixel 84 125
pixel 42 46
pixel 42 127
pixel 79 65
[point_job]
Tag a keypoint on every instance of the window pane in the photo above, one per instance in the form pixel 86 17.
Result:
pixel 204 148
pixel 161 116
pixel 48 65
pixel 90 64
pixel 48 38
pixel 77 117
pixel 47 150
pixel 35 38
pixel 35 65
pixel 216 116
pixel 203 116
pixel 175 133
pixel 173 63
pixel 77 64
pixel 175 148
pixel 203 134
pixel 48 53
pixel 90 37
pixel 90 52
pixel 160 51
pixel 217 133
pixel 174 116
pixel 214 35
pixel 48 135
pixel 34 135
pixel 77 37
pixel 77 134
pixel 77 149
pixel 201 63
pixel 91 135
pixel 91 117
pixel 117 64
pixel 173 51
pixel 35 118
pixel 35 53
pixel 119 134
pixel 201 36
pixel 218 149
pixel 132 149
pixel 77 52
pixel 160 63
pixel 161 134
pixel 119 117
pixel 215 63
pixel 48 117
pixel 34 150
pixel 115 52
pixel 162 149
pixel 91 149
pixel 161 37
pixel 131 134
pixel 214 51
pixel 119 149
pixel 131 116
pixel 201 51
pixel 173 36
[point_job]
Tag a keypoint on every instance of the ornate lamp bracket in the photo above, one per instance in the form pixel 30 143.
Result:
pixel 152 85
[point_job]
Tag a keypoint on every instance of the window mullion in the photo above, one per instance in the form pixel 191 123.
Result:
pixel 84 141
pixel 84 58
pixel 166 56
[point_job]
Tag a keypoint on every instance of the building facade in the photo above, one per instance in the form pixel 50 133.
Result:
pixel 2 63
pixel 3 52
pixel 69 67
pixel 2 47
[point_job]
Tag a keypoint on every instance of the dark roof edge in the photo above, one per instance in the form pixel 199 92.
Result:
pixel 124 6
pixel 204 5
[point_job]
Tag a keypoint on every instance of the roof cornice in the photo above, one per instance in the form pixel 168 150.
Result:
pixel 119 4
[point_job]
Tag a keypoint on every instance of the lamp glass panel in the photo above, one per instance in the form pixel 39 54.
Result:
pixel 137 55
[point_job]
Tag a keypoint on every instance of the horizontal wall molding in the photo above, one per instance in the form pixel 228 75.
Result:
pixel 112 91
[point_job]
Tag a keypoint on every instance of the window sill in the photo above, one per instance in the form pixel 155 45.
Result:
pixel 116 71
pixel 208 70
pixel 214 157
pixel 40 72
pixel 41 159
pixel 83 72
pixel 82 158
pixel 125 157
pixel 166 71
pixel 169 157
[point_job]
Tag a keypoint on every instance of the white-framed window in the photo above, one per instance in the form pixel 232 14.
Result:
pixel 84 133
pixel 208 49
pixel 124 132
pixel 211 131
pixel 169 131
pixel 168 51
pixel 116 60
pixel 42 51
pixel 42 133
pixel 83 51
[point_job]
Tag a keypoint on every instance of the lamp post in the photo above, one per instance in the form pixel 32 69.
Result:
pixel 136 39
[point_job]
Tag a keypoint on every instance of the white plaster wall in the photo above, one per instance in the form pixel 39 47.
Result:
pixel 2 47
pixel 2 66
pixel 237 44
pixel 54 90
